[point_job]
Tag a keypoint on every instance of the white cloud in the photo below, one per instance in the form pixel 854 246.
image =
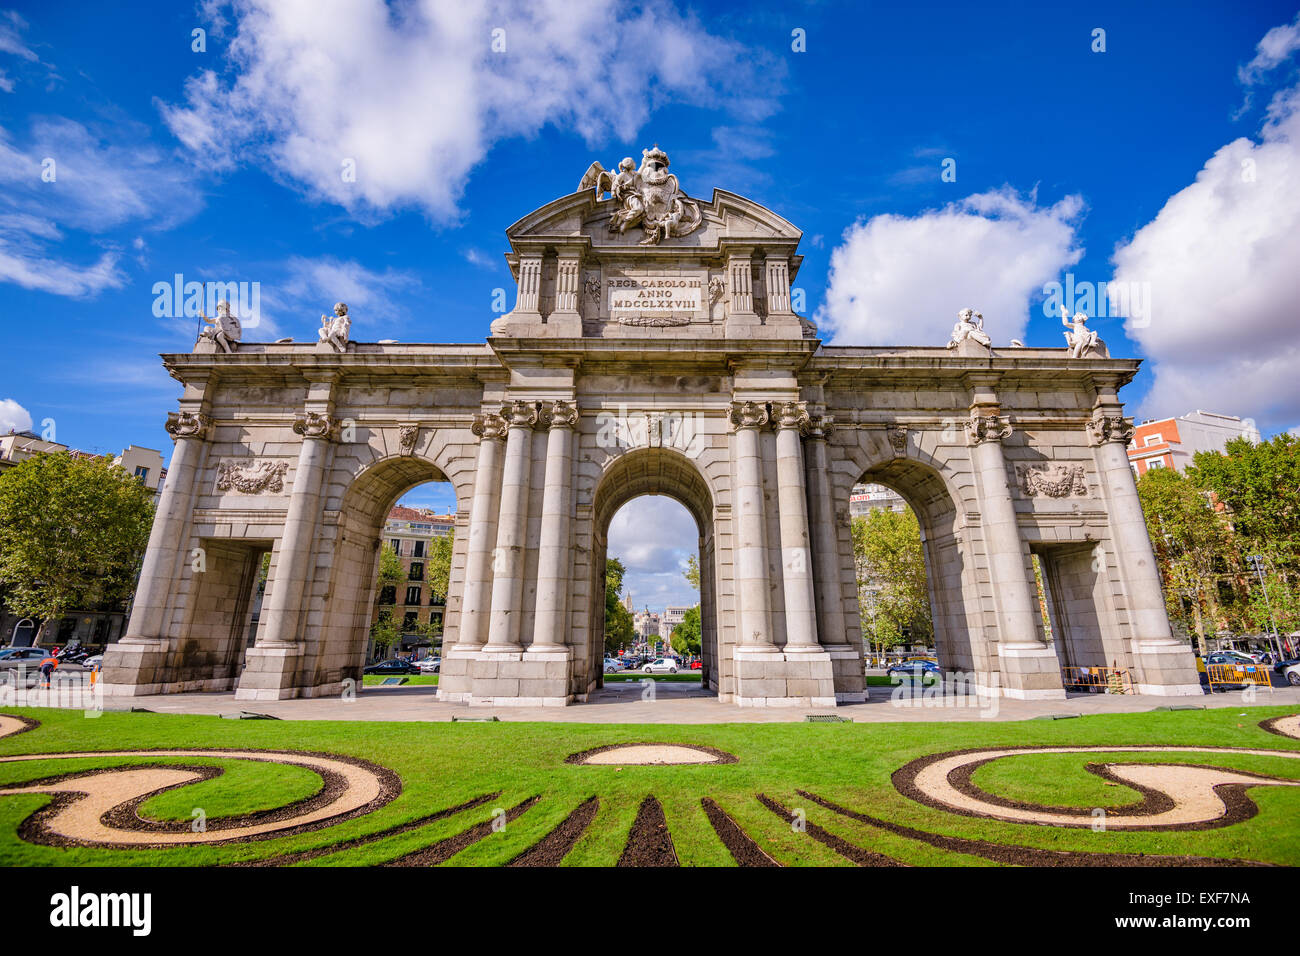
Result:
pixel 1221 259
pixel 70 176
pixel 415 96
pixel 653 536
pixel 11 41
pixel 13 417
pixel 328 280
pixel 1276 46
pixel 900 280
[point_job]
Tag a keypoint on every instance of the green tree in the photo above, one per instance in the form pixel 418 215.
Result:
pixel 619 629
pixel 391 572
pixel 686 638
pixel 1193 548
pixel 692 572
pixel 72 533
pixel 384 633
pixel 890 565
pixel 438 566
pixel 1260 487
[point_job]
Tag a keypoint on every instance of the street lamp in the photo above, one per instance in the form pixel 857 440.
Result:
pixel 1257 562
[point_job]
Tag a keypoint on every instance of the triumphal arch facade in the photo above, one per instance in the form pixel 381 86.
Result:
pixel 653 348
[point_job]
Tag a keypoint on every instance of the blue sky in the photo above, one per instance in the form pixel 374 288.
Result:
pixel 1167 162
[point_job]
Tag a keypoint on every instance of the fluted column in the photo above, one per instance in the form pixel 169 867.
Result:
pixel 167 536
pixel 821 519
pixel 753 602
pixel 512 527
pixel 284 605
pixel 476 604
pixel 555 560
pixel 796 561
pixel 1018 622
pixel 527 300
pixel 1133 554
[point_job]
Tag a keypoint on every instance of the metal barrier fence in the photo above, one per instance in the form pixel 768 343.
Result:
pixel 1238 675
pixel 1097 680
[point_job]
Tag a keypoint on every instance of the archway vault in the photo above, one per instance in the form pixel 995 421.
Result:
pixel 653 471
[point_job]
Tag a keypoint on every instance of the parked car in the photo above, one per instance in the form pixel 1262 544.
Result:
pixel 93 663
pixel 697 665
pixel 37 654
pixel 1290 669
pixel 391 667
pixel 612 666
pixel 916 668
pixel 430 665
pixel 660 665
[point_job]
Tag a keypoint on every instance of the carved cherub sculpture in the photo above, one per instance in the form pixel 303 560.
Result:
pixel 224 329
pixel 335 331
pixel 970 325
pixel 1078 337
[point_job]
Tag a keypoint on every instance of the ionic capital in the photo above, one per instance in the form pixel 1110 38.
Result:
pixel 982 428
pixel 748 414
pixel 491 427
pixel 188 425
pixel 559 414
pixel 1110 428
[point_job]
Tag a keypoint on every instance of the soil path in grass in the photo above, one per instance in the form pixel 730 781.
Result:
pixel 1283 726
pixel 555 846
pixel 859 855
pixel 444 850
pixel 1023 855
pixel 742 849
pixel 649 843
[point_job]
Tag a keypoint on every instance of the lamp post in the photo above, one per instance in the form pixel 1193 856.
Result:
pixel 1257 562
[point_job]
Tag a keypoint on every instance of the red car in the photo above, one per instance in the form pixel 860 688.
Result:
pixel 696 665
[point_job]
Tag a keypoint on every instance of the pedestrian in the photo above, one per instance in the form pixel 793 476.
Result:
pixel 47 668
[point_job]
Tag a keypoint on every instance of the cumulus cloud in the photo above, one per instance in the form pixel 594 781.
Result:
pixel 1276 46
pixel 13 417
pixel 66 175
pixel 1221 259
pixel 653 536
pixel 897 280
pixel 411 96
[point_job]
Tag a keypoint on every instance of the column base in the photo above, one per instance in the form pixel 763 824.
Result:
pixel 848 673
pixel 1166 669
pixel 134 667
pixel 505 678
pixel 1030 672
pixel 769 677
pixel 270 672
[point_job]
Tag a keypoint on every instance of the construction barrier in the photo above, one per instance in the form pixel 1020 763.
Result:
pixel 1097 680
pixel 1232 676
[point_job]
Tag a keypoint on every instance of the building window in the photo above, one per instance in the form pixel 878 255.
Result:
pixel 1155 463
pixel 396 545
pixel 408 621
pixel 435 599
pixel 419 550
pixel 435 619
pixel 412 595
pixel 142 472
pixel 388 595
pixel 1154 439
pixel 417 571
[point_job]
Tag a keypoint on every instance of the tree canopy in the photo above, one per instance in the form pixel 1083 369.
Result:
pixel 619 629
pixel 72 532
pixel 890 565
pixel 685 639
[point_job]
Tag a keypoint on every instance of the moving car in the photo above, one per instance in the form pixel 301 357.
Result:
pixel 37 654
pixel 660 665
pixel 391 667
pixel 612 666
pixel 917 668
pixel 697 665
pixel 430 665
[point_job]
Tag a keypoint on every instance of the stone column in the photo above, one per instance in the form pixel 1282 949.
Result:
pixel 753 602
pixel 796 560
pixel 741 317
pixel 476 603
pixel 527 301
pixel 136 663
pixel 1029 668
pixel 1166 666
pixel 271 665
pixel 512 529
pixel 565 319
pixel 554 562
pixel 821 518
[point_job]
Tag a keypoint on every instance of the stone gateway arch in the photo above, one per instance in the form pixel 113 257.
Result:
pixel 652 349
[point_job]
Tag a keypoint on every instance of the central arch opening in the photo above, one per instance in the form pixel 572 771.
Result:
pixel 652 512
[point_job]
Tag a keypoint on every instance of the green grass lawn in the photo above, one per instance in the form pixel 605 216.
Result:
pixel 412 680
pixel 442 765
